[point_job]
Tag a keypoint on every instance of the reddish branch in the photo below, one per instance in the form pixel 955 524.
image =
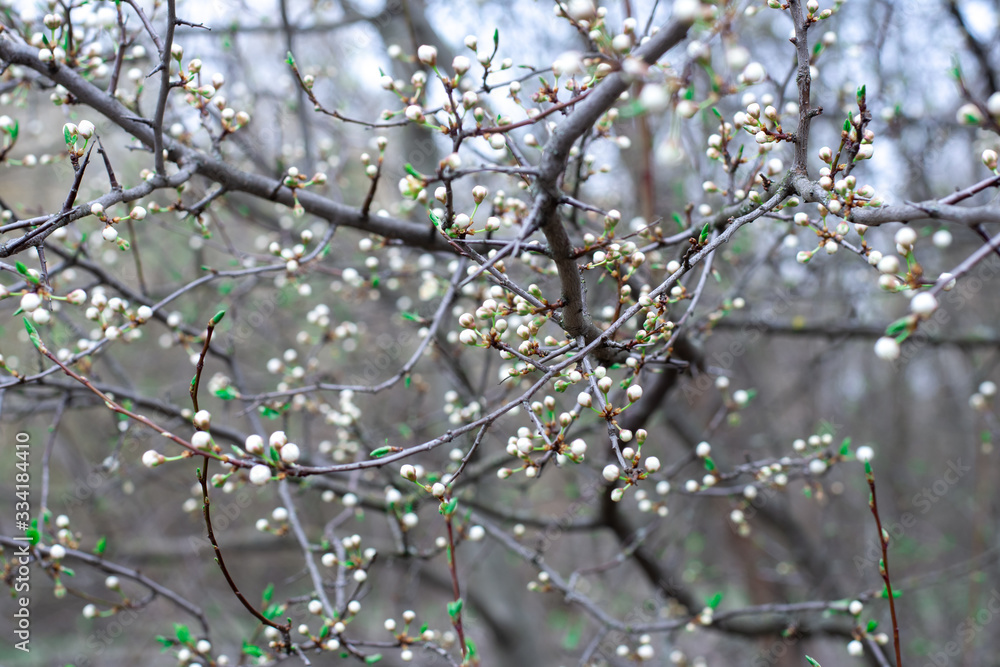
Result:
pixel 883 538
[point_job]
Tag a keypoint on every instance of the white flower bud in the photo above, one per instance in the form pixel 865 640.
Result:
pixel 202 419
pixel 887 348
pixel 427 55
pixel 888 264
pixel 290 452
pixel 906 237
pixel 941 238
pixel 754 73
pixel 201 440
pixel 461 65
pixel 30 302
pixel 254 444
pixel 152 458
pixel 923 303
pixel 260 475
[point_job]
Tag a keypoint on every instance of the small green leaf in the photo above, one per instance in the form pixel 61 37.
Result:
pixel 448 508
pixel 813 662
pixel 381 451
pixel 709 464
pixel 845 446
pixel 268 593
pixel 218 317
pixel 455 608
pixel 252 650
pixel 714 601
pixel 33 535
pixel 183 633
pixel 290 59
pixel 372 659
pixel 898 326
pixel 872 624
pixel 102 544
pixel 496 38
pixel 32 332
pixel 21 268
pixel 412 172
pixel 434 219
pixel 269 413
pixel 704 233
pixel 167 643
pixel 411 317
pixel 679 220
pixel 226 393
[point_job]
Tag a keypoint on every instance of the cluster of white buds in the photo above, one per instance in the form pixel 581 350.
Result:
pixel 980 399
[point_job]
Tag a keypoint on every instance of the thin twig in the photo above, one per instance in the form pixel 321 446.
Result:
pixel 883 568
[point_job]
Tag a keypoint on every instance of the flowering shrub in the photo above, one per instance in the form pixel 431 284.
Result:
pixel 555 343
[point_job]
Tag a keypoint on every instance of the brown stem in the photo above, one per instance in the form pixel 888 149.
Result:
pixel 803 80
pixel 196 382
pixel 456 590
pixel 116 407
pixel 283 629
pixel 884 569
